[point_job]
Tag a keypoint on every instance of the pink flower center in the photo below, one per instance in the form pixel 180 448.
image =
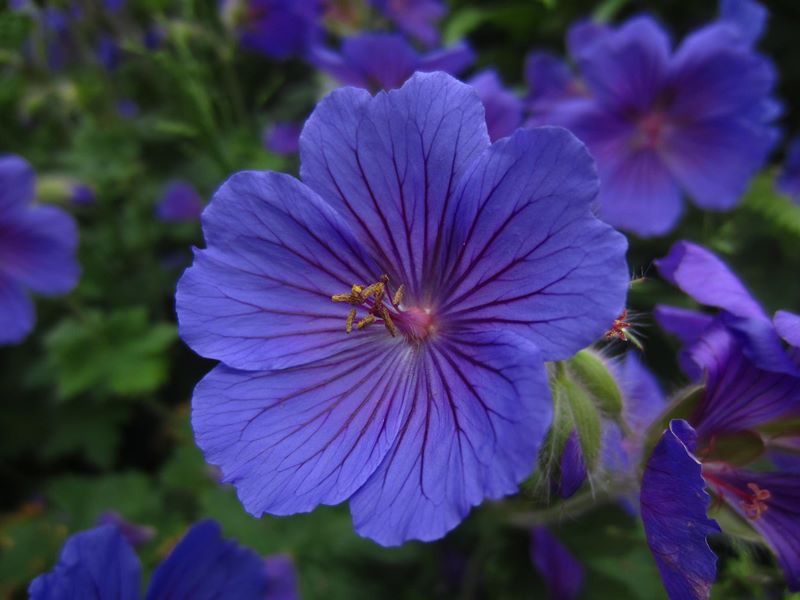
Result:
pixel 650 130
pixel 382 306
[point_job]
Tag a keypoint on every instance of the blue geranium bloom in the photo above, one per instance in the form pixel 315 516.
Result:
pixel 503 108
pixel 100 563
pixel 283 138
pixel 789 178
pixel 416 18
pixel 383 323
pixel 384 61
pixel 751 381
pixel 562 573
pixel 179 202
pixel 275 28
pixel 661 123
pixel 37 250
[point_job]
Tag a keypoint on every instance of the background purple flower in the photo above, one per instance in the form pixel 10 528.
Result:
pixel 663 123
pixel 562 573
pixel 501 265
pixel 100 563
pixel 503 108
pixel 37 250
pixel 416 18
pixel 276 28
pixel 283 138
pixel 789 178
pixel 179 202
pixel 377 61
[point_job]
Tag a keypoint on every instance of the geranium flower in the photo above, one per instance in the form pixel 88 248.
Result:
pixel 503 108
pixel 662 123
pixel 384 61
pixel 283 138
pixel 751 382
pixel 562 573
pixel 37 250
pixel 416 18
pixel 788 181
pixel 275 28
pixel 100 563
pixel 383 324
pixel 179 202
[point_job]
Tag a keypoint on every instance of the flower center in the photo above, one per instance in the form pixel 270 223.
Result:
pixel 413 322
pixel 651 129
pixel 752 501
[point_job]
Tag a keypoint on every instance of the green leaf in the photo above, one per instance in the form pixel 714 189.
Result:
pixel 780 212
pixel 92 431
pixel 119 353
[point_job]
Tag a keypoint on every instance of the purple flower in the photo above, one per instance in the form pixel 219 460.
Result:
pixel 571 468
pixel 81 194
pixel 179 202
pixel 643 400
pixel 100 563
pixel 283 138
pixel 751 381
pixel 376 61
pixel 37 250
pixel 662 123
pixel 383 324
pixel 416 18
pixel 673 506
pixel 770 502
pixel 562 573
pixel 283 584
pixel 127 108
pixel 503 108
pixel 109 54
pixel 704 277
pixel 275 28
pixel 789 178
pixel 135 535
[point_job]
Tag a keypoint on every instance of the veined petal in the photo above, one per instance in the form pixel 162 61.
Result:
pixel 292 439
pixel 627 68
pixel 776 517
pixel 739 395
pixel 37 249
pixel 527 254
pixel 733 150
pixel 260 296
pixel 714 75
pixel 788 327
pixel 17 316
pixel 389 164
pixel 204 566
pixel 684 323
pixel 562 573
pixel 480 407
pixel 703 276
pixel 639 194
pixel 673 505
pixel 97 563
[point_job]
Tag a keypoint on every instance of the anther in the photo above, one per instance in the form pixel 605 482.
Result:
pixel 351 316
pixel 398 295
pixel 756 506
pixel 365 321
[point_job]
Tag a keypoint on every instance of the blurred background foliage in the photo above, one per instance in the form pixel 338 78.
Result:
pixel 95 403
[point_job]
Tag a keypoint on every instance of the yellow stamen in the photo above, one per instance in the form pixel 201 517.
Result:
pixel 348 325
pixel 365 321
pixel 398 295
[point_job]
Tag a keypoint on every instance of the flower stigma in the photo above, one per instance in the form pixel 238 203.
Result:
pixel 414 323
